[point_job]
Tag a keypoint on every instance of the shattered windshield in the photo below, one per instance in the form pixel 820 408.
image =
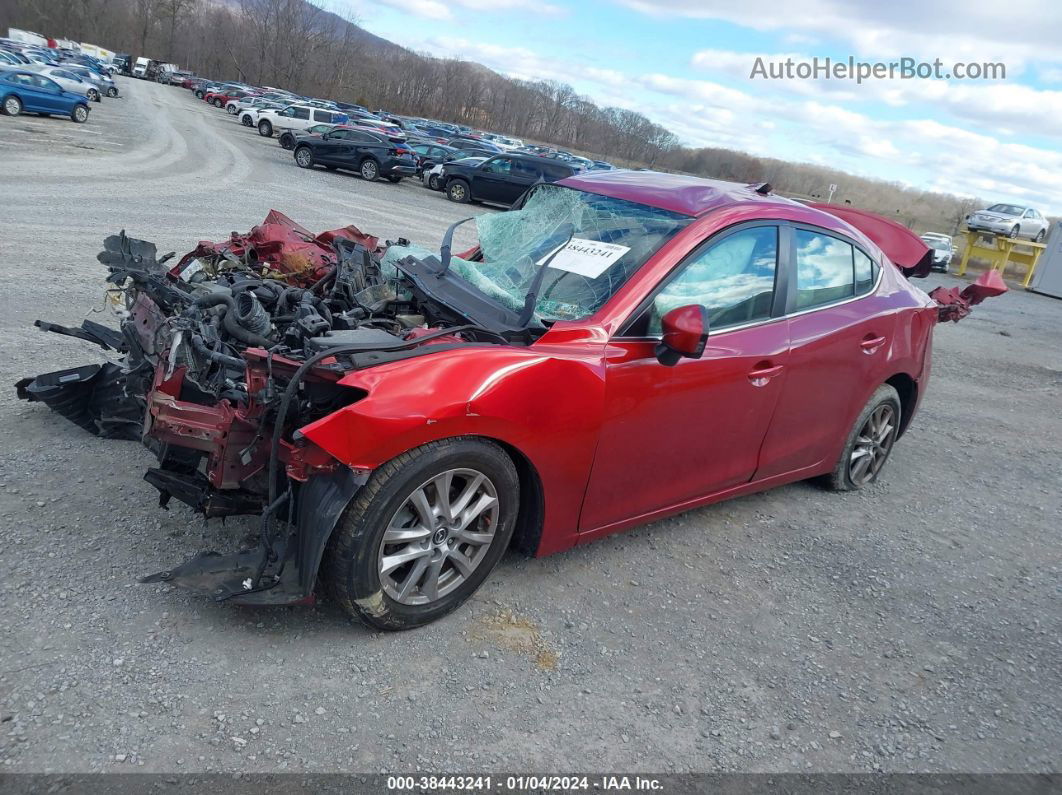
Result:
pixel 602 241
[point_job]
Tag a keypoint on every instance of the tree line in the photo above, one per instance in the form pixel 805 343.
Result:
pixel 298 46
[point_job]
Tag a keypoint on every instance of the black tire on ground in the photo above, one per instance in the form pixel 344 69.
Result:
pixel 369 170
pixel 245 120
pixel 79 114
pixel 112 92
pixel 433 182
pixel 457 191
pixel 94 95
pixel 874 440
pixel 287 141
pixel 352 560
pixel 304 157
pixel 395 178
pixel 265 128
pixel 12 105
pixel 217 103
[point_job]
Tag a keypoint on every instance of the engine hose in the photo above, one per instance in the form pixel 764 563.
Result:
pixel 230 323
pixel 199 346
pixel 250 313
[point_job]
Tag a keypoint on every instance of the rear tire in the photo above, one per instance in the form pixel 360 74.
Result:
pixel 245 120
pixel 112 92
pixel 869 443
pixel 231 110
pixel 395 178
pixel 94 95
pixel 12 106
pixel 265 128
pixel 369 170
pixel 217 103
pixel 433 182
pixel 287 141
pixel 440 570
pixel 79 114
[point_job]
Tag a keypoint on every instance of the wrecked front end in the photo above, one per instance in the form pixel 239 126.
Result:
pixel 221 358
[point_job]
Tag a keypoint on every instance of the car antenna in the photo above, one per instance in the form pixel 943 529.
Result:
pixel 447 242
pixel 763 188
pixel 532 293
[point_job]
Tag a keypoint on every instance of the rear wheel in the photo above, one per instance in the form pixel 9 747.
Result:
pixel 287 141
pixel 94 95
pixel 265 128
pixel 424 533
pixel 12 106
pixel 112 92
pixel 395 178
pixel 457 191
pixel 869 442
pixel 433 182
pixel 79 114
pixel 245 120
pixel 304 157
pixel 370 170
pixel 217 103
pixel 230 109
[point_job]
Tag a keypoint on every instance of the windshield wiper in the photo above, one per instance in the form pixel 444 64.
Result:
pixel 568 230
pixel 444 250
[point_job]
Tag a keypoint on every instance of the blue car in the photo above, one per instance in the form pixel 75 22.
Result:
pixel 22 90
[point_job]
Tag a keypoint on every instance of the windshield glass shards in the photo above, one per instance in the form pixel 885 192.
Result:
pixel 596 243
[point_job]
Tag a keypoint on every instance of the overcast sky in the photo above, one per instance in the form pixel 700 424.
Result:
pixel 686 65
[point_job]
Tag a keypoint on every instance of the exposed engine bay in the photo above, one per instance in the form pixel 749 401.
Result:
pixel 223 355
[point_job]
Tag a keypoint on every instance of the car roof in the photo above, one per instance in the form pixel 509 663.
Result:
pixel 675 192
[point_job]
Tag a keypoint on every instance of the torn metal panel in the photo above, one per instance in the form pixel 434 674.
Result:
pixel 955 304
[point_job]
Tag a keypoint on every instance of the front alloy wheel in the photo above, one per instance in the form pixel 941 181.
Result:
pixel 433 182
pixel 423 533
pixel 112 92
pixel 457 191
pixel 438 537
pixel 80 114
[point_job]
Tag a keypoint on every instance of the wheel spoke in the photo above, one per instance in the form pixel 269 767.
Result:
pixel 413 577
pixel 466 495
pixel 406 535
pixel 475 511
pixel 443 484
pixel 430 586
pixel 419 500
pixel 461 563
pixel 389 563
pixel 860 467
pixel 476 539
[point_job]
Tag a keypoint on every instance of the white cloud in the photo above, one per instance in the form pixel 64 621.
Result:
pixel 1014 32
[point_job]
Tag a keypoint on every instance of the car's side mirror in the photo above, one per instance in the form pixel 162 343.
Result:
pixel 685 333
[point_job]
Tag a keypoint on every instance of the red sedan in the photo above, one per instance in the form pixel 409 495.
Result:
pixel 619 347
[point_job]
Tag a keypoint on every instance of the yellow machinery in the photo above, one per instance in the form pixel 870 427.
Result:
pixel 1002 251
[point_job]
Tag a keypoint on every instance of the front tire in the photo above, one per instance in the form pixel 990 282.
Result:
pixel 304 157
pixel 1040 236
pixel 424 533
pixel 433 182
pixel 265 128
pixel 869 442
pixel 457 191
pixel 217 103
pixel 1014 231
pixel 12 106
pixel 112 92
pixel 287 141
pixel 231 110
pixel 79 114
pixel 94 95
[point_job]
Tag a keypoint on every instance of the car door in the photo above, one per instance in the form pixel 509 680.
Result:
pixel 51 94
pixel 840 332
pixel 332 148
pixel 522 175
pixel 674 434
pixel 1029 224
pixel 490 182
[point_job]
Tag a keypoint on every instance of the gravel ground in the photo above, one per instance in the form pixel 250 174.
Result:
pixel 910 627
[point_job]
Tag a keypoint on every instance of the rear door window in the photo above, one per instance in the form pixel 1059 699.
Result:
pixel 825 271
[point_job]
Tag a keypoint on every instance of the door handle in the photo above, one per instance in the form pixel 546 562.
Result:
pixel 760 376
pixel 871 344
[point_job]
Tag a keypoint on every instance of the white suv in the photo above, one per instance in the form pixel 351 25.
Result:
pixel 296 117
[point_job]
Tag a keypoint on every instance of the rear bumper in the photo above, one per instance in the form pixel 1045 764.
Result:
pixel 402 169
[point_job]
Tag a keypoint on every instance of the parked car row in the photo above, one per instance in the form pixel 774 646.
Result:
pixel 50 81
pixel 465 164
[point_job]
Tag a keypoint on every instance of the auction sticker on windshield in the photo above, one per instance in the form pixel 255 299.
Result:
pixel 587 258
